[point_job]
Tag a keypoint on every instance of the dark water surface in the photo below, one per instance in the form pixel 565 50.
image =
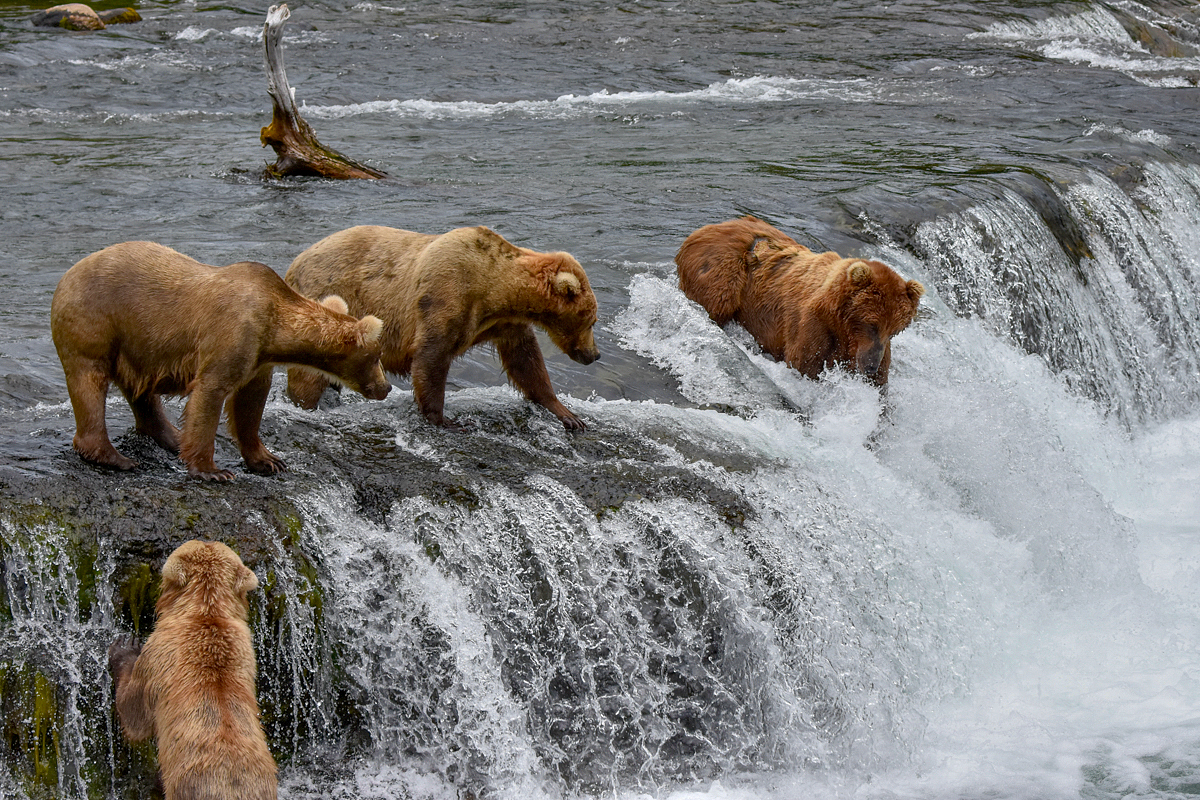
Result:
pixel 607 130
pixel 984 592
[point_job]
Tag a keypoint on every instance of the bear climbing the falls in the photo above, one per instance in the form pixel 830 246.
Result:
pixel 811 310
pixel 440 295
pixel 191 686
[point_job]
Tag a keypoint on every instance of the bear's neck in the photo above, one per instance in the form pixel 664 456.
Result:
pixel 308 339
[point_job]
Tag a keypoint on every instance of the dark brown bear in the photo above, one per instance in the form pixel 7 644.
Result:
pixel 156 322
pixel 440 295
pixel 811 310
pixel 192 686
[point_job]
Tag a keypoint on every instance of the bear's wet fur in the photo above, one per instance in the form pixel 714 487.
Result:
pixel 810 310
pixel 442 294
pixel 156 322
pixel 191 686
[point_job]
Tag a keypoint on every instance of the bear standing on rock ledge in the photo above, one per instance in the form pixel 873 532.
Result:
pixel 155 322
pixel 811 310
pixel 440 295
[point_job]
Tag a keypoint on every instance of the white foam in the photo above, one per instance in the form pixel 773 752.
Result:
pixel 1145 135
pixel 757 89
pixel 158 58
pixel 1095 24
pixel 1095 38
pixel 193 34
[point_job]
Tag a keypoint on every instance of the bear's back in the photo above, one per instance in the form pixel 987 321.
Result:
pixel 375 269
pixel 151 278
pixel 116 273
pixel 387 271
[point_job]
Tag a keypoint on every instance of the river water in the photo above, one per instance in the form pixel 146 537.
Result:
pixel 984 586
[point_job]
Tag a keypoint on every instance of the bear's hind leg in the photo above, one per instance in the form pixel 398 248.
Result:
pixel 87 385
pixel 152 421
pixel 305 387
pixel 244 410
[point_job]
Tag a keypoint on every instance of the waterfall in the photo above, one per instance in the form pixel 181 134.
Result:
pixel 775 583
pixel 1102 284
pixel 53 655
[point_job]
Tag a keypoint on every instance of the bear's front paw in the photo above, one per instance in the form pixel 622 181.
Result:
pixel 446 424
pixel 123 652
pixel 218 475
pixel 455 427
pixel 572 422
pixel 106 457
pixel 272 465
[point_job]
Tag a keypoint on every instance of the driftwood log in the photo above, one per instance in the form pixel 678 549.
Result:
pixel 295 144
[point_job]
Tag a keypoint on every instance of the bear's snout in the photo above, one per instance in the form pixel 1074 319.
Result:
pixel 585 356
pixel 869 358
pixel 377 390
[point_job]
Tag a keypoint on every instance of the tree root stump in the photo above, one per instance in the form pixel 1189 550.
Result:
pixel 296 147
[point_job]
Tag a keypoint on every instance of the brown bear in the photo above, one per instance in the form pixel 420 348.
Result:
pixel 810 310
pixel 191 686
pixel 440 295
pixel 156 322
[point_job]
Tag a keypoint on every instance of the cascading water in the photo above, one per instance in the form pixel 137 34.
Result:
pixel 60 623
pixel 870 563
pixel 848 572
pixel 1104 289
pixel 740 583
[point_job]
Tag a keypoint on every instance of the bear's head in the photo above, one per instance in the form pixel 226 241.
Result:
pixel 571 305
pixel 205 577
pixel 362 347
pixel 878 304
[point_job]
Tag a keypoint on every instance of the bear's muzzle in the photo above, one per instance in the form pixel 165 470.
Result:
pixel 585 356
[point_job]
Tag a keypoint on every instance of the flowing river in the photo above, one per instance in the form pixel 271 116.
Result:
pixel 737 583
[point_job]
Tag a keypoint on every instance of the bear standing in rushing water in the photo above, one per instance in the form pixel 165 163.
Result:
pixel 811 310
pixel 192 686
pixel 155 322
pixel 440 295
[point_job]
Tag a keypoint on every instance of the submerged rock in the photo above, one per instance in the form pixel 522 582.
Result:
pixel 1168 41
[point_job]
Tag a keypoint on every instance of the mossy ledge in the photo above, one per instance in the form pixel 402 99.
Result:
pixel 79 565
pixel 81 548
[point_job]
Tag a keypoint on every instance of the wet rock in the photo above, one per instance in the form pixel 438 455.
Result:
pixel 117 16
pixel 1157 40
pixel 80 17
pixel 73 17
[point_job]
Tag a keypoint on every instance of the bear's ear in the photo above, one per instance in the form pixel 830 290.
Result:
pixel 335 303
pixel 244 581
pixel 174 573
pixel 915 291
pixel 371 327
pixel 567 284
pixel 859 273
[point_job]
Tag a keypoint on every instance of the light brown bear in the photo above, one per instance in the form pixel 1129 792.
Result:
pixel 811 310
pixel 440 295
pixel 191 686
pixel 156 322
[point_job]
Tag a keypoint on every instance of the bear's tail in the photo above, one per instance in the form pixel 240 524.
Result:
pixel 714 263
